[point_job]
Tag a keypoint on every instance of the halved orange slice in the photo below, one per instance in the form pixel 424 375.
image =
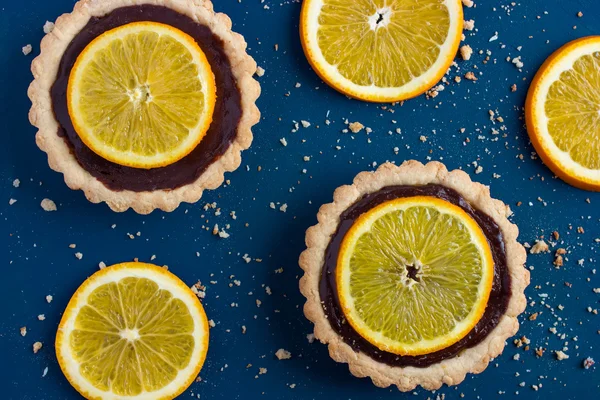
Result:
pixel 563 113
pixel 142 95
pixel 132 331
pixel 381 51
pixel 414 275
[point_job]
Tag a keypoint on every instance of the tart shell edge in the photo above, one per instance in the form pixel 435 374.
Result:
pixel 45 67
pixel 453 370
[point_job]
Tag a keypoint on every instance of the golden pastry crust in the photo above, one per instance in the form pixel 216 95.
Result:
pixel 45 68
pixel 451 371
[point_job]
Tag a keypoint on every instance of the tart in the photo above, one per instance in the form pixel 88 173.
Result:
pixel 143 104
pixel 414 276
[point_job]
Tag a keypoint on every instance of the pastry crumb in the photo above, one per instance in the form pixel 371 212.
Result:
pixel 355 127
pixel 48 205
pixel 23 331
pixel 37 347
pixel 48 27
pixel 469 25
pixel 588 363
pixel 539 247
pixel 283 354
pixel 466 51
pixel 560 355
pixel 470 76
pixel 26 49
pixel 260 71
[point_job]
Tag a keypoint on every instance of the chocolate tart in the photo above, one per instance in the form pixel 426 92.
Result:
pixel 449 365
pixel 124 187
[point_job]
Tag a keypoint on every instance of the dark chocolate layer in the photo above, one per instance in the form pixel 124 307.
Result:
pixel 217 140
pixel 499 297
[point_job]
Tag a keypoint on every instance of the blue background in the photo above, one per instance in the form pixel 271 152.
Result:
pixel 36 259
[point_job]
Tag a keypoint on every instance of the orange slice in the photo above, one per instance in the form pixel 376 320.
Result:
pixel 381 51
pixel 142 95
pixel 132 331
pixel 563 113
pixel 414 275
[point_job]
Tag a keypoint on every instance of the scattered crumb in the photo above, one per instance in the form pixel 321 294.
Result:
pixel 469 25
pixel 470 76
pixel 48 205
pixel 23 330
pixel 539 247
pixel 560 355
pixel 48 27
pixel 79 255
pixel 466 51
pixel 260 71
pixel 282 354
pixel 36 347
pixel 355 127
pixel 16 183
pixel 588 363
pixel 27 49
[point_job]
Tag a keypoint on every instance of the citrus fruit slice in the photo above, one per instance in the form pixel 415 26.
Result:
pixel 141 95
pixel 414 275
pixel 132 331
pixel 563 113
pixel 381 51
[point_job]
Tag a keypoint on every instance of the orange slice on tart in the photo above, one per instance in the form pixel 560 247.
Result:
pixel 142 95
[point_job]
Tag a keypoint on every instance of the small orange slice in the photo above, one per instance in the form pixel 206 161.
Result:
pixel 563 113
pixel 132 331
pixel 381 51
pixel 142 95
pixel 414 275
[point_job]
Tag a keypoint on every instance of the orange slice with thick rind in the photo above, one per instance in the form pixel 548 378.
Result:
pixel 563 113
pixel 414 275
pixel 381 51
pixel 134 331
pixel 142 95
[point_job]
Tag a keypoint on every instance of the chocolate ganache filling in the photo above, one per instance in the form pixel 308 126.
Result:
pixel 222 131
pixel 497 303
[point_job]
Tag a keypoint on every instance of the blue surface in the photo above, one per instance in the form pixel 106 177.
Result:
pixel 36 259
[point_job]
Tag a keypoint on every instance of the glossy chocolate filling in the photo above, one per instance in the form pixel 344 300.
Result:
pixel 217 140
pixel 497 304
